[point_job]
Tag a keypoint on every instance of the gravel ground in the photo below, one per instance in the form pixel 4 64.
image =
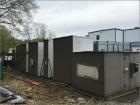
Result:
pixel 49 94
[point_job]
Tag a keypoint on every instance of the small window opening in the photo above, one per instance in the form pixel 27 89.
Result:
pixel 97 37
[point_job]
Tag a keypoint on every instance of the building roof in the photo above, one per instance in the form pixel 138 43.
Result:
pixel 132 28
pixel 105 30
pixel 114 29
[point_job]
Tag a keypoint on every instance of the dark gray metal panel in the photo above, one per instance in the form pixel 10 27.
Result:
pixel 130 81
pixel 21 57
pixel 135 81
pixel 46 58
pixel 14 56
pixel 113 65
pixel 117 72
pixel 137 59
pixel 33 55
pixel 63 59
pixel 126 75
pixel 27 57
pixel 87 84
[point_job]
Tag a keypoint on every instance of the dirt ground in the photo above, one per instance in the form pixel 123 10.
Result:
pixel 48 92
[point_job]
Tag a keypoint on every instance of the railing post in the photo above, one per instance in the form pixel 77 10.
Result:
pixel 1 69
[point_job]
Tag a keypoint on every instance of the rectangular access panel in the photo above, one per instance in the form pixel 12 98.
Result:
pixel 106 73
pixel 63 55
pixel 46 58
pixel 36 54
pixel 88 70
pixel 20 61
pixel 121 72
pixel 63 59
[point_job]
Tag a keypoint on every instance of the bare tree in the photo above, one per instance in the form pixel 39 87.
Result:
pixel 40 30
pixel 36 32
pixel 27 31
pixel 15 12
pixel 51 34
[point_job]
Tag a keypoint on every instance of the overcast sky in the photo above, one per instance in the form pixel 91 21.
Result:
pixel 80 17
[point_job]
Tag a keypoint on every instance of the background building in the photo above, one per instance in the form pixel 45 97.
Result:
pixel 117 35
pixel 113 34
pixel 132 35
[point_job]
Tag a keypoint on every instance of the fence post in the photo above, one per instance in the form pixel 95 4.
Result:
pixel 1 69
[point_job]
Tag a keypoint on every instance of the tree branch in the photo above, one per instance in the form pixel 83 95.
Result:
pixel 6 1
pixel 13 4
pixel 5 22
pixel 4 7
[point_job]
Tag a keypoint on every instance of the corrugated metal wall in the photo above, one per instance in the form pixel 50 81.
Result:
pixel 114 66
pixel 46 58
pixel 85 83
pixel 114 72
pixel 63 59
pixel 117 72
pixel 21 57
pixel 33 58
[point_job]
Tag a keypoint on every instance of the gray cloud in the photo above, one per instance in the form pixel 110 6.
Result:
pixel 80 17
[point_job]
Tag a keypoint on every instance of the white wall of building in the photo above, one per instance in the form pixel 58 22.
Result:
pixel 132 35
pixel 50 56
pixel 82 44
pixel 107 35
pixel 119 36
pixel 40 58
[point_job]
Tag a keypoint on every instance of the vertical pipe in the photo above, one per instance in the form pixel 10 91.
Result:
pixel 115 34
pixel 27 56
pixel 118 47
pixel 113 48
pixel 107 46
pixel 1 68
pixel 130 47
pixel 123 40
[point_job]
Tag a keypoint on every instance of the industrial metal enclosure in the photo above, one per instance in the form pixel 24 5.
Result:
pixel 45 60
pixel 36 55
pixel 63 55
pixel 105 73
pixel 117 35
pixel 20 56
pixel 48 58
